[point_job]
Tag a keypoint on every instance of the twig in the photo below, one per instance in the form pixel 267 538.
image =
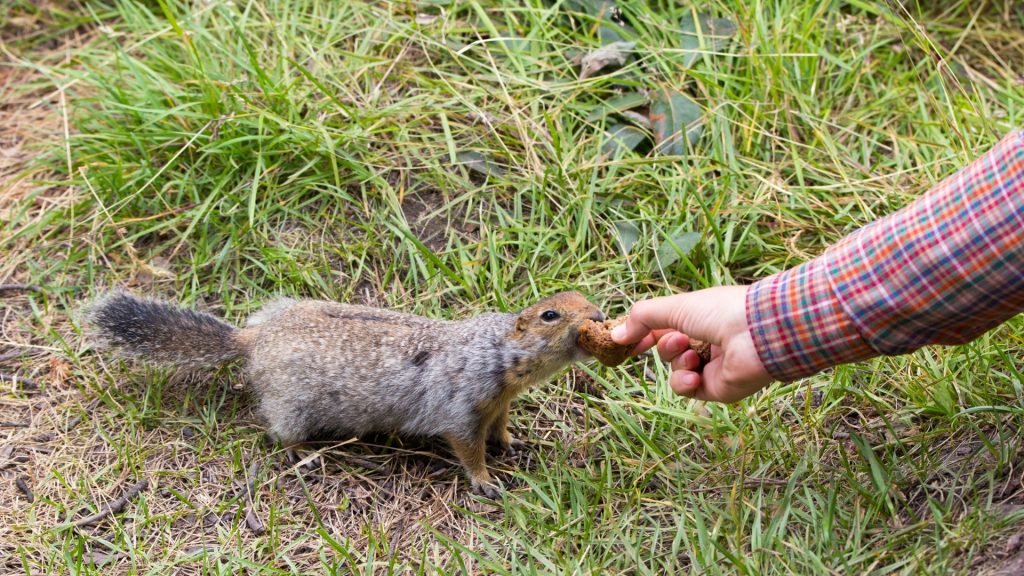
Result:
pixel 251 520
pixel 11 354
pixel 254 523
pixel 18 379
pixel 10 463
pixel 20 288
pixel 22 484
pixel 13 425
pixel 115 506
pixel 364 463
pixel 72 423
pixel 250 484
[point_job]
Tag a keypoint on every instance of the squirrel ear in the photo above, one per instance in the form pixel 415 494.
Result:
pixel 521 322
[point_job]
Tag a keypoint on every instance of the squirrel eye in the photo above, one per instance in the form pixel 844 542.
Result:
pixel 549 315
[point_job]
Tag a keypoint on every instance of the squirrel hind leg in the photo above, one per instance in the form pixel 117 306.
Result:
pixel 287 437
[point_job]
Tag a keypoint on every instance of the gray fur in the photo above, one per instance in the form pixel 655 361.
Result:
pixel 160 333
pixel 330 369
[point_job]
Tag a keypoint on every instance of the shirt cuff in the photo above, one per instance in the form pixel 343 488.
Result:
pixel 798 325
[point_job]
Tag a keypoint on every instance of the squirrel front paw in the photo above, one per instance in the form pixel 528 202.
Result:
pixel 513 446
pixel 486 488
pixel 507 443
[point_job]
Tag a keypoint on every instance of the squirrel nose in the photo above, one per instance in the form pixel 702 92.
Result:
pixel 597 316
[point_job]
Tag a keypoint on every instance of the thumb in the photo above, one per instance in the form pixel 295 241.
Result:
pixel 706 315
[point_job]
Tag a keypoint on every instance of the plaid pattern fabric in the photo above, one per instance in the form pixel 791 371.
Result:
pixel 942 270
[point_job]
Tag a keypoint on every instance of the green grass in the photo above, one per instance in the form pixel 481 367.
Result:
pixel 223 152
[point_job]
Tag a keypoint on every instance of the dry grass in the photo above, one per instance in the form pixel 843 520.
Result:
pixel 878 468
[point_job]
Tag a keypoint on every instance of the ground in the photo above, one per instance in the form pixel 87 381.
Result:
pixel 446 158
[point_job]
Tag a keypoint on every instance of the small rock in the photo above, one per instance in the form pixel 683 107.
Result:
pixel 1014 543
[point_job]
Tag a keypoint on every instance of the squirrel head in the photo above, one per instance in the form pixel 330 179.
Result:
pixel 554 323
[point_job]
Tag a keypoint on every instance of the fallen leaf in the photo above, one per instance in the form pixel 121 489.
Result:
pixel 612 55
pixel 477 162
pixel 702 34
pixel 622 138
pixel 425 19
pixel 679 244
pixel 611 31
pixel 641 120
pixel 159 267
pixel 617 104
pixel 628 234
pixel 673 115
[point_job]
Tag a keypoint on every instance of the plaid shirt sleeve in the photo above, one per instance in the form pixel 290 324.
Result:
pixel 943 270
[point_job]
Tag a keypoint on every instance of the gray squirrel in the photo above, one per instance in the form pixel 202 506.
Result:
pixel 327 368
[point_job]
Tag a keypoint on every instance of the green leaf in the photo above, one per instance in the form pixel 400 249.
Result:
pixel 628 233
pixel 603 8
pixel 479 163
pixel 622 138
pixel 611 31
pixel 673 115
pixel 703 34
pixel 617 104
pixel 679 244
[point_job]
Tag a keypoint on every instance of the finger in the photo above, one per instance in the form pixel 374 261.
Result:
pixel 688 360
pixel 685 383
pixel 644 345
pixel 707 315
pixel 671 345
pixel 646 316
pixel 715 389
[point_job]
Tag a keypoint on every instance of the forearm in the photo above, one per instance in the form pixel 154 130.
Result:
pixel 942 270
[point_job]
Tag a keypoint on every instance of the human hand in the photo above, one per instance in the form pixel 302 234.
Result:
pixel 715 315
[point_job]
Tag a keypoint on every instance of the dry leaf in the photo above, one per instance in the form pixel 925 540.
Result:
pixel 614 55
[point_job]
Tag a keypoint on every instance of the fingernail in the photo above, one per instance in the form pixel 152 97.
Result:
pixel 619 332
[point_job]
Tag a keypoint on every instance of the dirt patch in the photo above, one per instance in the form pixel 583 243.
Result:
pixel 432 221
pixel 1006 558
pixel 26 119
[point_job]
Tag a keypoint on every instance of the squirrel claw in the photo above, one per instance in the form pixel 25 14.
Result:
pixel 486 489
pixel 506 445
pixel 514 445
pixel 294 457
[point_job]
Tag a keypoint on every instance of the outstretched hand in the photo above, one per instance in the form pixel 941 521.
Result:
pixel 714 315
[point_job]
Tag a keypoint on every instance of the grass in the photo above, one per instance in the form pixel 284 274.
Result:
pixel 436 157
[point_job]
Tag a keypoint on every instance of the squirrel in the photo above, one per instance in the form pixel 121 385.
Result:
pixel 321 367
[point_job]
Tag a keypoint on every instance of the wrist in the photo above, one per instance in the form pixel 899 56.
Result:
pixel 798 325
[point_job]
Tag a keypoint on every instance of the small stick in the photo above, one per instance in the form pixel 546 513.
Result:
pixel 22 484
pixel 74 422
pixel 13 425
pixel 251 520
pixel 20 288
pixel 18 379
pixel 115 506
pixel 254 523
pixel 12 354
pixel 254 469
pixel 364 463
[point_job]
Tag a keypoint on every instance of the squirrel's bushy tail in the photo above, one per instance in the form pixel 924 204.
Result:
pixel 160 333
